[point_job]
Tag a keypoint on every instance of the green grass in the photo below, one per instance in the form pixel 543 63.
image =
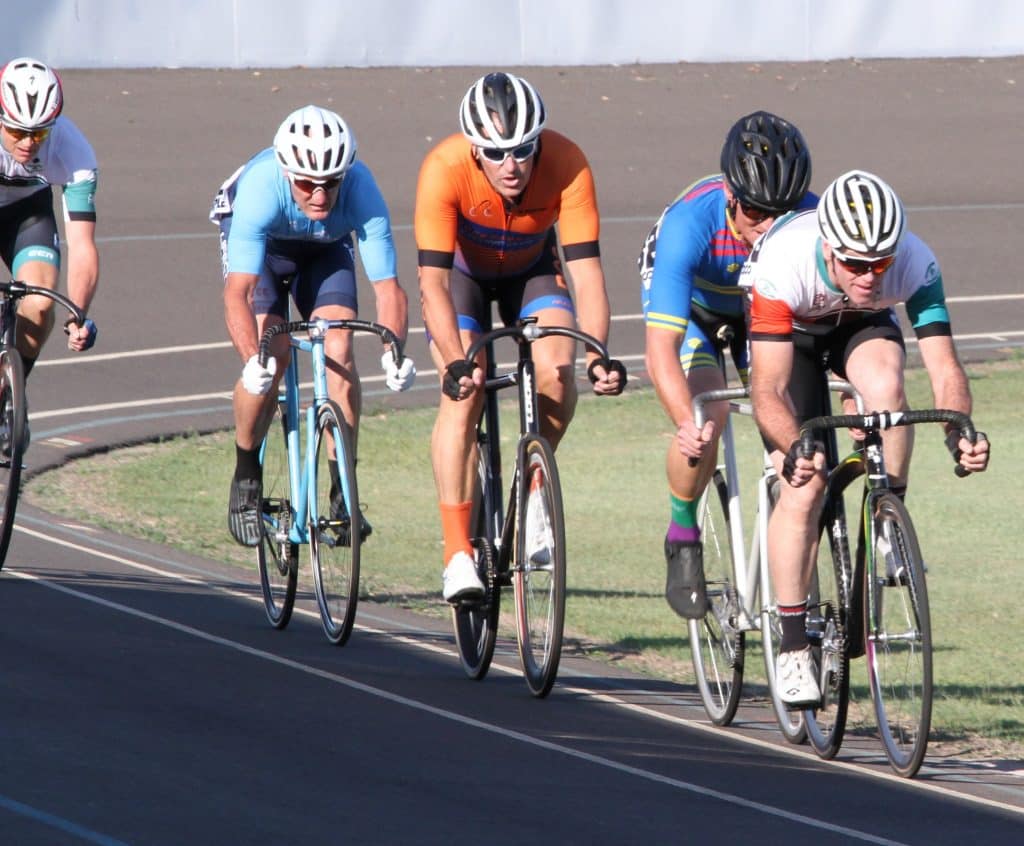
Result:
pixel 612 467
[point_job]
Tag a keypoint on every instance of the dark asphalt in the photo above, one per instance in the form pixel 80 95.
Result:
pixel 143 698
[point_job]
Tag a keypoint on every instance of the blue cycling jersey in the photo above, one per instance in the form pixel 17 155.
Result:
pixel 260 202
pixel 694 254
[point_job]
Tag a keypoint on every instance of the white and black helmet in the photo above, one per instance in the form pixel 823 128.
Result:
pixel 860 213
pixel 30 94
pixel 501 111
pixel 315 142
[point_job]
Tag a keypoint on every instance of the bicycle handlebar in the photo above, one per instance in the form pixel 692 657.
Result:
pixel 320 326
pixel 530 332
pixel 16 290
pixel 878 421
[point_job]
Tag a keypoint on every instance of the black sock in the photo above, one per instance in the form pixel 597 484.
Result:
pixel 27 364
pixel 247 463
pixel 793 622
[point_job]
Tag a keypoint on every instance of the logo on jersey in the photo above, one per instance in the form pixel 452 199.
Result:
pixel 481 209
pixel 819 300
pixel 931 275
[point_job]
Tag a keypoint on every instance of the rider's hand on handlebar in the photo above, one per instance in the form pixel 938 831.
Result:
pixel 461 378
pixel 398 377
pixel 972 457
pixel 608 375
pixel 693 441
pixel 797 469
pixel 256 378
pixel 80 336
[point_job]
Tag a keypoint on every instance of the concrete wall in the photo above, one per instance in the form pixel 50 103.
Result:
pixel 377 33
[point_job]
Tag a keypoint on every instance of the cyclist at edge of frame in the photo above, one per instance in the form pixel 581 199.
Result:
pixel 286 220
pixel 824 286
pixel 487 202
pixel 694 311
pixel 40 148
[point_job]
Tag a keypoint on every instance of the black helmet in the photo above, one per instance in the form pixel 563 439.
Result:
pixel 766 163
pixel 507 99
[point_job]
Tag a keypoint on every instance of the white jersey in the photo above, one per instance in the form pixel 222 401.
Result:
pixel 65 158
pixel 790 284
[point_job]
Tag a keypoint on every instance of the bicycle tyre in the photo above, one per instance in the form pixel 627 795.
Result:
pixel 827 613
pixel 276 556
pixel 334 524
pixel 13 420
pixel 539 579
pixel 791 723
pixel 476 623
pixel 830 610
pixel 716 642
pixel 898 646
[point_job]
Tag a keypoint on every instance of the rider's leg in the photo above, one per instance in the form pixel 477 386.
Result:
pixel 875 368
pixel 35 314
pixel 555 366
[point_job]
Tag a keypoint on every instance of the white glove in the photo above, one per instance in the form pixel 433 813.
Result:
pixel 257 379
pixel 398 378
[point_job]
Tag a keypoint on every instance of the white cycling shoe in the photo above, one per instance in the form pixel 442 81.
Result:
pixel 460 580
pixel 796 679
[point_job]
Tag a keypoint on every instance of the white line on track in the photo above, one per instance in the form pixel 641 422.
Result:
pixel 80 545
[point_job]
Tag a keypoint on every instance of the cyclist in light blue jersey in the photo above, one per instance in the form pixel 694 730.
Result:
pixel 694 311
pixel 286 219
pixel 40 148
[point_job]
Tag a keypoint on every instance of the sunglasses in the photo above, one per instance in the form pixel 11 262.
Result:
pixel 756 215
pixel 19 134
pixel 521 153
pixel 308 186
pixel 859 267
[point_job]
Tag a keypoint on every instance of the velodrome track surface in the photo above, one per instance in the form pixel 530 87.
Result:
pixel 143 699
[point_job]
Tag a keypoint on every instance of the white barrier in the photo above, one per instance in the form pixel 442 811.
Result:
pixel 346 33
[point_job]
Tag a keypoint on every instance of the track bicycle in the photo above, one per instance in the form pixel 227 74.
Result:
pixel 13 407
pixel 310 494
pixel 877 604
pixel 739 587
pixel 522 546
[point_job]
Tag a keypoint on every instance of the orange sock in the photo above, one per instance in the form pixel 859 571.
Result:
pixel 455 527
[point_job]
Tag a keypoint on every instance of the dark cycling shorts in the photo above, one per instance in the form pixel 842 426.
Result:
pixel 542 286
pixel 28 231
pixel 816 352
pixel 710 336
pixel 317 274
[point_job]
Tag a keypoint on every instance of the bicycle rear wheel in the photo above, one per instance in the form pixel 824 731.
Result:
pixel 12 441
pixel 827 611
pixel 899 639
pixel 539 572
pixel 276 556
pixel 476 623
pixel 791 723
pixel 716 641
pixel 334 524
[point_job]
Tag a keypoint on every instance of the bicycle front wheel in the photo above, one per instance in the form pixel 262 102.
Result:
pixel 334 524
pixel 12 441
pixel 791 723
pixel 539 571
pixel 717 643
pixel 899 638
pixel 276 556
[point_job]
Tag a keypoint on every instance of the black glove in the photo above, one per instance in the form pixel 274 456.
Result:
pixel 794 452
pixel 611 365
pixel 453 373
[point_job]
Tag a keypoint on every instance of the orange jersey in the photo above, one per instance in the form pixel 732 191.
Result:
pixel 460 219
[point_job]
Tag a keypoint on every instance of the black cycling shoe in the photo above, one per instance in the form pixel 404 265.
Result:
pixel 339 512
pixel 244 511
pixel 685 588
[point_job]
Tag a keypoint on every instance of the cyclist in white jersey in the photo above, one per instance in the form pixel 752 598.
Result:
pixel 286 219
pixel 823 286
pixel 39 148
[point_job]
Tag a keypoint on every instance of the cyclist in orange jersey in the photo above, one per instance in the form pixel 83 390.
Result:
pixel 486 206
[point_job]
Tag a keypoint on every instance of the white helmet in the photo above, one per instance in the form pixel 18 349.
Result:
pixel 860 213
pixel 30 94
pixel 507 99
pixel 315 142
